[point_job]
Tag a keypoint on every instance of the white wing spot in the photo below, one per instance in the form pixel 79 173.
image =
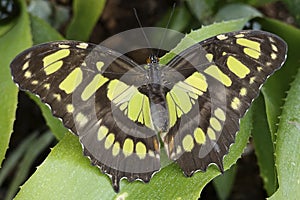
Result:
pixel 252 79
pixel 274 48
pixel 64 46
pixel 57 97
pixel 243 91
pixel 259 69
pixel 28 74
pixel 34 82
pixel 240 35
pixel 47 86
pixel 235 103
pixel 28 55
pixel 84 64
pixel 70 108
pixel 25 66
pixel 81 119
pixel 271 40
pixel 82 45
pixel 222 37
pixel 273 56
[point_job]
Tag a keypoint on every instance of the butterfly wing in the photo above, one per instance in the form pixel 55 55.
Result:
pixel 94 90
pixel 212 85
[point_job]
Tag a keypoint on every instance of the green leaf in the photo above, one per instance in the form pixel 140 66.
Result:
pixel 41 9
pixel 14 157
pixel 179 21
pixel 223 183
pixel 42 31
pixel 236 11
pixel 287 141
pixel 24 166
pixel 274 91
pixel 55 125
pixel 201 9
pixel 66 173
pixel 263 145
pixel 253 2
pixel 287 145
pixel 85 16
pixel 49 11
pixel 277 85
pixel 14 41
pixel 6 27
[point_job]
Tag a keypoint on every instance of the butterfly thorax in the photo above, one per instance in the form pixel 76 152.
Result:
pixel 156 94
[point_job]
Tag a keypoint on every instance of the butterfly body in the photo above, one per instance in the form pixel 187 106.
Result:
pixel 156 91
pixel 120 109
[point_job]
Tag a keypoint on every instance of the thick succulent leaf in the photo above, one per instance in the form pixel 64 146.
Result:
pixel 236 11
pixel 223 183
pixel 36 147
pixel 274 91
pixel 14 41
pixel 287 145
pixel 42 32
pixel 286 134
pixel 85 16
pixel 264 146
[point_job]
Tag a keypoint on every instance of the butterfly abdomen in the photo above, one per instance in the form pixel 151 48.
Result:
pixel 157 93
pixel 158 107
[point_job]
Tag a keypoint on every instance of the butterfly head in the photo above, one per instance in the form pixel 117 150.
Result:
pixel 152 59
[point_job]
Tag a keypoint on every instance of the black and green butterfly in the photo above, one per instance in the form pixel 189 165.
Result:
pixel 122 112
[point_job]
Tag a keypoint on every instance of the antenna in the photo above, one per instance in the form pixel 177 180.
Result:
pixel 140 24
pixel 165 32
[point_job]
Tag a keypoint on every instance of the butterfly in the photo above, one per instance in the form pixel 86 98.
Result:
pixel 124 112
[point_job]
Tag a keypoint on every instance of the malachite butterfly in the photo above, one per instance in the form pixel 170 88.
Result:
pixel 123 112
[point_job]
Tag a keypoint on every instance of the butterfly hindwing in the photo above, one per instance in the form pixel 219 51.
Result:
pixel 124 144
pixel 222 76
